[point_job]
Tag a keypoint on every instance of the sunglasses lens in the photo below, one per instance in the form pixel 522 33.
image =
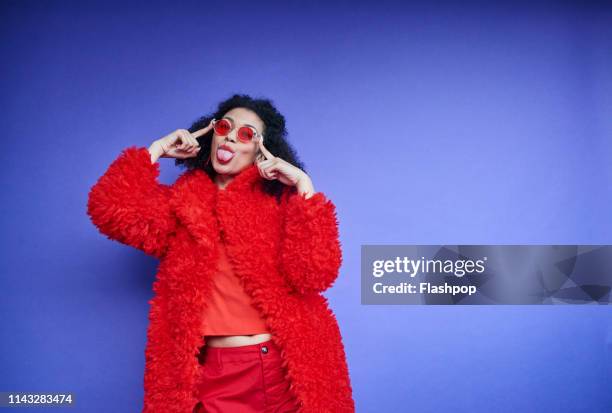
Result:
pixel 245 134
pixel 222 127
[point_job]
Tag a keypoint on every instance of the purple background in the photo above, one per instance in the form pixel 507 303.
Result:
pixel 475 124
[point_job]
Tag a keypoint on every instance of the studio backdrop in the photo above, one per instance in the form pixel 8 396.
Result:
pixel 447 124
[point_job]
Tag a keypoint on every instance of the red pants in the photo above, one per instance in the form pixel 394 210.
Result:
pixel 245 379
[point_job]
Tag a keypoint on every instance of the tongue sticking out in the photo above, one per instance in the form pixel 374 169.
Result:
pixel 224 155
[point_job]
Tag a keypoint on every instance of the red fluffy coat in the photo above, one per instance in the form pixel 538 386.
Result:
pixel 286 253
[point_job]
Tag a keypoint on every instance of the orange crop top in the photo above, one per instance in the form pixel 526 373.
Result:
pixel 230 310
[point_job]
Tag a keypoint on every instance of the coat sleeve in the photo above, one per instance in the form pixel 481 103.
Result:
pixel 311 254
pixel 129 205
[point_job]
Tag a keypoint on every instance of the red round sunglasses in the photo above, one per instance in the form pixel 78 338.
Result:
pixel 245 134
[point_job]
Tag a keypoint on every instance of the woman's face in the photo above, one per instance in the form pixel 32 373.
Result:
pixel 229 155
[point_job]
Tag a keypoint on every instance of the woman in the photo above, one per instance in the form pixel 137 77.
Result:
pixel 237 322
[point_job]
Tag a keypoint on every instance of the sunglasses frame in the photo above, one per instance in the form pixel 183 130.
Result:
pixel 256 136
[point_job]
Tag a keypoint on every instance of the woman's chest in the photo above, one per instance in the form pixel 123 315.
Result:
pixel 250 226
pixel 250 235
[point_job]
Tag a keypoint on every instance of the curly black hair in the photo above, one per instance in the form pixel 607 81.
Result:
pixel 275 137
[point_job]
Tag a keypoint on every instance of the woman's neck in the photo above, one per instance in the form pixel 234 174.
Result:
pixel 222 180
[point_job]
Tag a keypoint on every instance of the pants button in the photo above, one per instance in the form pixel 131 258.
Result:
pixel 264 349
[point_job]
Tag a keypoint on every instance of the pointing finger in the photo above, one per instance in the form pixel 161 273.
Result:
pixel 203 131
pixel 264 150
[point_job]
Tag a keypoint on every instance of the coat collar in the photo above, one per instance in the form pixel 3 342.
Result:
pixel 198 179
pixel 195 195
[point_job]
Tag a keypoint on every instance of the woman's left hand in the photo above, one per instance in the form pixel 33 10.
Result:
pixel 272 167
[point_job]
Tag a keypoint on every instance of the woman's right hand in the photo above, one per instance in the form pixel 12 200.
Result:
pixel 181 143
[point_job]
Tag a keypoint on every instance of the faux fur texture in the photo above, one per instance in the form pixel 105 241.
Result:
pixel 286 254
